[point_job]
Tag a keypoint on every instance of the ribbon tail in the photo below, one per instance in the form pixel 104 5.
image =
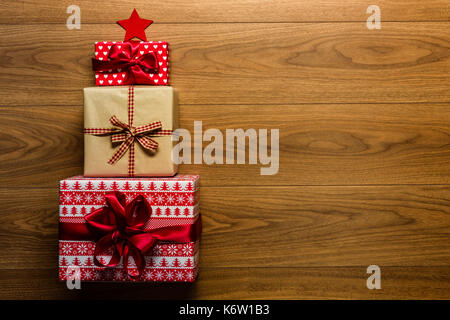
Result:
pixel 103 245
pixel 138 258
pixel 121 151
pixel 148 143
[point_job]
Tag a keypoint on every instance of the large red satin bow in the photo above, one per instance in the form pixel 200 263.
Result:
pixel 121 231
pixel 125 57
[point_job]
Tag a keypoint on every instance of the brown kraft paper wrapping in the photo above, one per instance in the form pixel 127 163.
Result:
pixel 150 104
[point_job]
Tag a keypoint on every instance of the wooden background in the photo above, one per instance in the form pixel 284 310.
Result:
pixel 364 125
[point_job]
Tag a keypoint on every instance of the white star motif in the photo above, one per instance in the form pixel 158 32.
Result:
pixel 67 198
pixel 179 275
pixel 78 198
pixel 189 275
pixel 88 275
pixel 169 275
pixel 99 198
pixel 180 199
pixel 96 275
pixel 170 199
pixel 159 275
pixel 159 250
pixel 67 249
pixel 172 249
pixel 187 250
pixel 88 197
pixel 108 274
pixel 147 275
pixel 82 248
pixel 160 198
pixel 119 275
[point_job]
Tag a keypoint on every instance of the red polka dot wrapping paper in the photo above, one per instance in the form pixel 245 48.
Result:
pixel 117 77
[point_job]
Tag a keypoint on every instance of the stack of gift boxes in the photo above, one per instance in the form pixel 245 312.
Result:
pixel 130 217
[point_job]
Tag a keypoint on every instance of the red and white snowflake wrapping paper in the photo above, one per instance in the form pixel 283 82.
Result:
pixel 160 48
pixel 174 200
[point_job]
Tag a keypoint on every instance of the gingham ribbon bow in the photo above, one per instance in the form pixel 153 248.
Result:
pixel 127 134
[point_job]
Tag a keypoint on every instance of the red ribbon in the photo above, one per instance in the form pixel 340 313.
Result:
pixel 119 228
pixel 125 56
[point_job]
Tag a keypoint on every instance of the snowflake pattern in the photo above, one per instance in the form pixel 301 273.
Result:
pixel 78 198
pixel 160 198
pixel 148 275
pixel 88 275
pixel 119 275
pixel 108 274
pixel 187 250
pixel 67 249
pixel 82 248
pixel 170 275
pixel 159 275
pixel 159 250
pixel 172 249
pixel 172 198
pixel 67 197
pixel 99 198
pixel 129 197
pixel 179 275
pixel 180 199
pixel 189 275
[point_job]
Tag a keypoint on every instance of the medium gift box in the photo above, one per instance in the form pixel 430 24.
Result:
pixel 119 229
pixel 128 131
pixel 131 62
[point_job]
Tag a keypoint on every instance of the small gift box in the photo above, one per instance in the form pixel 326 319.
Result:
pixel 132 62
pixel 129 61
pixel 128 131
pixel 118 229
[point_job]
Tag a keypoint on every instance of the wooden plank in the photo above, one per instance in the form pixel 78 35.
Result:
pixel 270 226
pixel 319 144
pixel 54 11
pixel 242 283
pixel 243 63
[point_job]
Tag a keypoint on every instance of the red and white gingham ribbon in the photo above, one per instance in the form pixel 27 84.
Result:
pixel 127 134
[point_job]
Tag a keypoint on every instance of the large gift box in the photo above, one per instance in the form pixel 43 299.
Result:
pixel 128 131
pixel 119 229
pixel 131 62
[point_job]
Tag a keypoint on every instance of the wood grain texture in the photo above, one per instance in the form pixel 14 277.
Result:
pixel 179 11
pixel 242 283
pixel 247 63
pixel 363 116
pixel 271 226
pixel 319 144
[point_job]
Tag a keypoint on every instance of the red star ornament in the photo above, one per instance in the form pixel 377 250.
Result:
pixel 135 26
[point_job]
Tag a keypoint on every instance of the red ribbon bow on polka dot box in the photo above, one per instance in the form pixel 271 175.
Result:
pixel 122 229
pixel 132 62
